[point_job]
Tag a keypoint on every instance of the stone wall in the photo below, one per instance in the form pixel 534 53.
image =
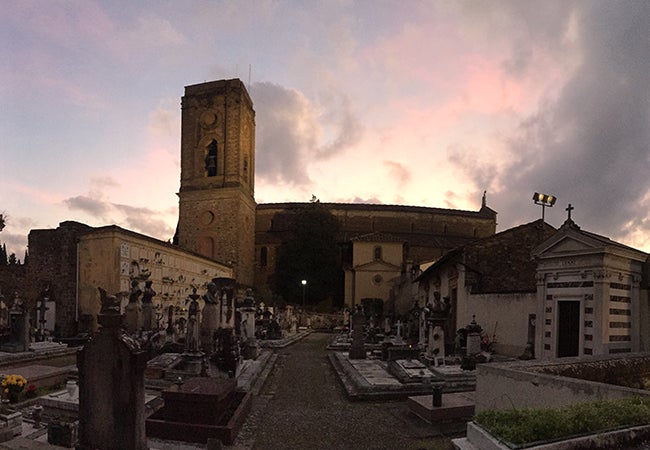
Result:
pixel 53 262
pixel 524 385
pixel 510 330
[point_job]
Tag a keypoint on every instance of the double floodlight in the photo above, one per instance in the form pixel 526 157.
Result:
pixel 544 199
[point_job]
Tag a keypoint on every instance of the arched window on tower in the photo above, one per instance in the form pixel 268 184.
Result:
pixel 211 159
pixel 377 253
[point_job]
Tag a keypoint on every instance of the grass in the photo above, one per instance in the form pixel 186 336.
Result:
pixel 524 426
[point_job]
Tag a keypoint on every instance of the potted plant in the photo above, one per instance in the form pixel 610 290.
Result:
pixel 12 386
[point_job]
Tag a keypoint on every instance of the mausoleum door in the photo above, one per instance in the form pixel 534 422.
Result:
pixel 568 333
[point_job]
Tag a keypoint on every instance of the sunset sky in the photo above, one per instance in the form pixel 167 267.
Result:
pixel 425 103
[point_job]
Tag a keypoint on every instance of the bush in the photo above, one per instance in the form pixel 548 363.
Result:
pixel 524 426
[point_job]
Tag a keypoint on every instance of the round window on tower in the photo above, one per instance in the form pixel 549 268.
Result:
pixel 377 279
pixel 206 217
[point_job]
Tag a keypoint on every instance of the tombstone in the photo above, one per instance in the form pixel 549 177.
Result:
pixel 294 325
pixel 358 349
pixel 193 314
pixel 226 290
pixel 387 326
pixel 148 312
pixel 169 331
pixel 398 338
pixel 422 329
pixel 473 337
pixel 247 326
pixel 111 386
pixel 226 355
pixel 133 310
pixel 209 318
pixel 436 345
pixel 18 320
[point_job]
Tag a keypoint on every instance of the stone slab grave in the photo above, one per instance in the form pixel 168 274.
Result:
pixel 456 379
pixel 200 409
pixel 66 402
pixel 40 375
pixel 454 406
pixel 411 371
pixel 159 366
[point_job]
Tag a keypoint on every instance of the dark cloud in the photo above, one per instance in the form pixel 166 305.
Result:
pixel 398 172
pixel 287 129
pixel 346 127
pixel 589 146
pixel 139 219
pixel 369 201
pixel 92 206
pixel 291 130
pixel 146 221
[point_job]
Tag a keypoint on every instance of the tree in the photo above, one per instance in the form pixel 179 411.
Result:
pixel 311 254
pixel 26 258
pixel 3 255
pixel 12 260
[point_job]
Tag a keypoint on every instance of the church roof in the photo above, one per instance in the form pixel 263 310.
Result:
pixel 483 212
pixel 499 263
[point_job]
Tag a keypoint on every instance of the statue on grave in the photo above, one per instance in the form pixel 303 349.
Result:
pixel 109 303
pixel 249 300
pixel 192 343
pixel 135 292
pixel 148 293
pixel 210 297
pixel 17 303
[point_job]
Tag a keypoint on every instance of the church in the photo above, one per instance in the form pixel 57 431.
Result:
pixel 220 219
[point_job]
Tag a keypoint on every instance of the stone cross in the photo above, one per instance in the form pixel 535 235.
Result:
pixel 569 209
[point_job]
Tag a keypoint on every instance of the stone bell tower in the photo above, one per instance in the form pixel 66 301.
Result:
pixel 216 198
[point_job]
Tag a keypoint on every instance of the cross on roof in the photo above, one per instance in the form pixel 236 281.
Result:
pixel 569 209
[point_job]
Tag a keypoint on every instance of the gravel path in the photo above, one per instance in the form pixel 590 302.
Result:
pixel 303 406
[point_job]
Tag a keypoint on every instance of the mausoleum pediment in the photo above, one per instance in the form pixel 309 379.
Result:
pixel 570 245
pixel 377 266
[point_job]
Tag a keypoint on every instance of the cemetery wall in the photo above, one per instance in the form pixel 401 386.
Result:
pixel 53 263
pixel 112 257
pixel 515 385
pixel 509 329
pixel 75 259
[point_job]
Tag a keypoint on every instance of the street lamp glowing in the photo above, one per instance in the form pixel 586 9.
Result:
pixel 544 200
pixel 304 290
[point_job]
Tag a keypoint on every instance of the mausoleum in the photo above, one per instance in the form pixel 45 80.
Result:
pixel 589 296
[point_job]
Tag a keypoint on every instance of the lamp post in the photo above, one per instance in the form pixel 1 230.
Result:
pixel 304 291
pixel 544 200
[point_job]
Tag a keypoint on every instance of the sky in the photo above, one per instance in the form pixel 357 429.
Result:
pixel 416 102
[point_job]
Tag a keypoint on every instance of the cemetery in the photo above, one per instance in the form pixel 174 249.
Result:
pixel 116 340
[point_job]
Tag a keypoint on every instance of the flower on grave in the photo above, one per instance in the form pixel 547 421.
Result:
pixel 30 391
pixel 13 385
